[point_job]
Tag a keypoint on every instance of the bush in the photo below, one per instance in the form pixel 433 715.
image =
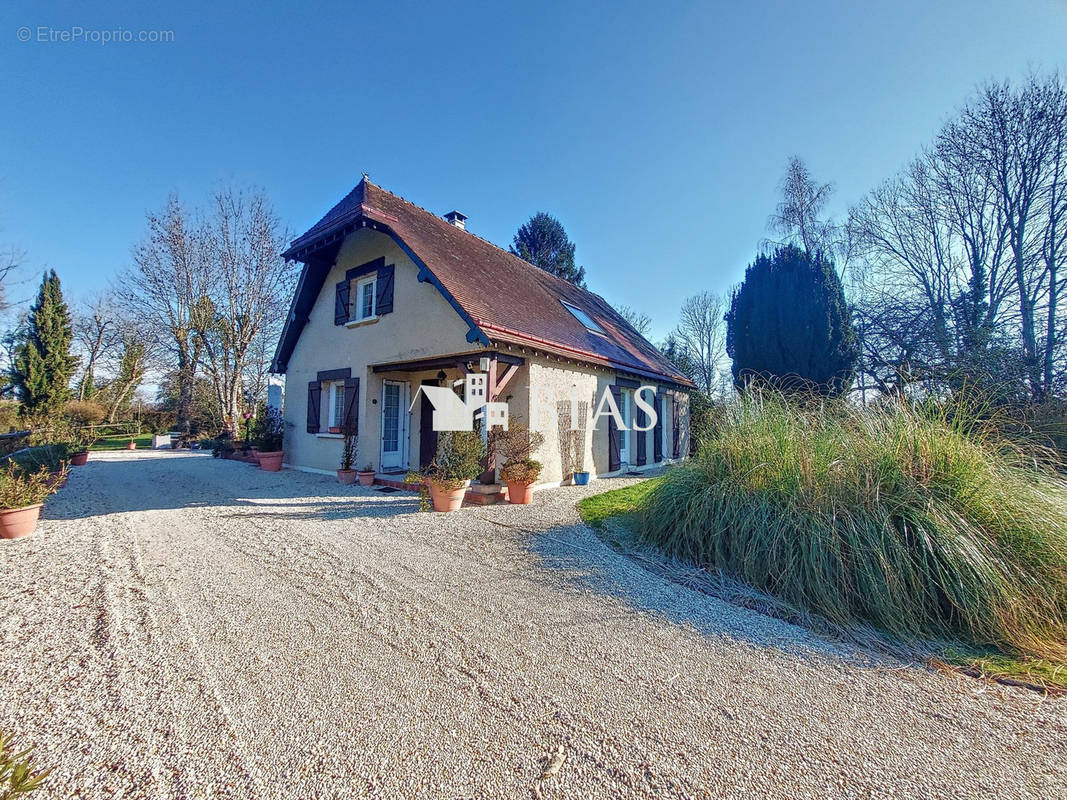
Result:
pixel 9 417
pixel 53 457
pixel 85 412
pixel 159 421
pixel 922 524
pixel 521 471
pixel 268 433
pixel 20 488
pixel 458 459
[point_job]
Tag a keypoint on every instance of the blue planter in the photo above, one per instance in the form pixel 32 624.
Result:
pixel 581 478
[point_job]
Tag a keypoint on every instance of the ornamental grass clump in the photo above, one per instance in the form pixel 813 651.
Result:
pixel 921 523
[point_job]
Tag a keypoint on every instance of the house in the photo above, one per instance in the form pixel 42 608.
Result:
pixel 392 298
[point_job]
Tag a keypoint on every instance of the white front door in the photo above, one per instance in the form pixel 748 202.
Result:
pixel 625 436
pixel 394 425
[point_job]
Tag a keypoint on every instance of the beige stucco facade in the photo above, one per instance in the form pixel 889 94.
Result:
pixel 424 325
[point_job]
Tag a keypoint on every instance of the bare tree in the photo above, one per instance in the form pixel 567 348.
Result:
pixel 96 331
pixel 130 370
pixel 797 218
pixel 247 292
pixel 963 252
pixel 164 288
pixel 701 338
pixel 642 323
pixel 1018 137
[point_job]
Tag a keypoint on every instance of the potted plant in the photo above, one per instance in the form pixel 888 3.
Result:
pixel 131 445
pixel 349 449
pixel 81 440
pixel 270 432
pixel 581 477
pixel 520 476
pixel 457 463
pixel 366 475
pixel 22 493
pixel 515 446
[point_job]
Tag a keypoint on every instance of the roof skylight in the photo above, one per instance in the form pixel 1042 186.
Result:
pixel 586 320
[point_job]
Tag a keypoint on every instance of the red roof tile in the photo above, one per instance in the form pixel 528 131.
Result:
pixel 508 299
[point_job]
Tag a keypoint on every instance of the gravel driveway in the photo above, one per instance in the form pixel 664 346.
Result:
pixel 185 627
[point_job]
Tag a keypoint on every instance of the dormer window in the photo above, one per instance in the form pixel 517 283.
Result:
pixel 587 321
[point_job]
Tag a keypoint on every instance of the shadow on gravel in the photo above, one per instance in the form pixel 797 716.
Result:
pixel 162 481
pixel 584 560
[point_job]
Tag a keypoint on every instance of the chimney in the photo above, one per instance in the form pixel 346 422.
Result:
pixel 457 219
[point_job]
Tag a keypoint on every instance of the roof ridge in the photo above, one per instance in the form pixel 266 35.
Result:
pixel 539 272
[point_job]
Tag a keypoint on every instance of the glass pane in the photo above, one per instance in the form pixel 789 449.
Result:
pixel 391 421
pixel 338 404
pixel 368 299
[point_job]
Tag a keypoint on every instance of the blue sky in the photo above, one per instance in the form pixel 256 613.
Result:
pixel 656 132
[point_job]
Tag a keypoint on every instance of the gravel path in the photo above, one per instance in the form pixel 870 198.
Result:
pixel 184 627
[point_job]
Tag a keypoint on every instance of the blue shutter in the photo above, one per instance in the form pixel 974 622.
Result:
pixel 614 456
pixel 340 304
pixel 383 302
pixel 314 402
pixel 350 417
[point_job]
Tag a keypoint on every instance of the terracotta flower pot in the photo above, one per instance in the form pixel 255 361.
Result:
pixel 445 499
pixel 131 445
pixel 520 493
pixel 346 476
pixel 18 522
pixel 271 462
pixel 79 459
pixel 366 477
pixel 335 429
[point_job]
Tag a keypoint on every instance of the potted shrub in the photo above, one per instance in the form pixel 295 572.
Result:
pixel 456 464
pixel 366 475
pixel 349 448
pixel 81 440
pixel 520 476
pixel 270 432
pixel 22 493
pixel 515 448
pixel 131 445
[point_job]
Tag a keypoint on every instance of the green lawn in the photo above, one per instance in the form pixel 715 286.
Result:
pixel 119 442
pixel 621 503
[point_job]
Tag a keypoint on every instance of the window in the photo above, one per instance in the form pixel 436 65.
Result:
pixel 363 301
pixel 586 320
pixel 335 403
pixel 624 411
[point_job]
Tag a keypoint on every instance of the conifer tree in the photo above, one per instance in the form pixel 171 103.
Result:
pixel 789 322
pixel 544 243
pixel 43 365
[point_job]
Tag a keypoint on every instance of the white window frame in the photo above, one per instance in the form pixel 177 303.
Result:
pixel 357 305
pixel 335 406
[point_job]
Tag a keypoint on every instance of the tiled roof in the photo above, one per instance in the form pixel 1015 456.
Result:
pixel 508 299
